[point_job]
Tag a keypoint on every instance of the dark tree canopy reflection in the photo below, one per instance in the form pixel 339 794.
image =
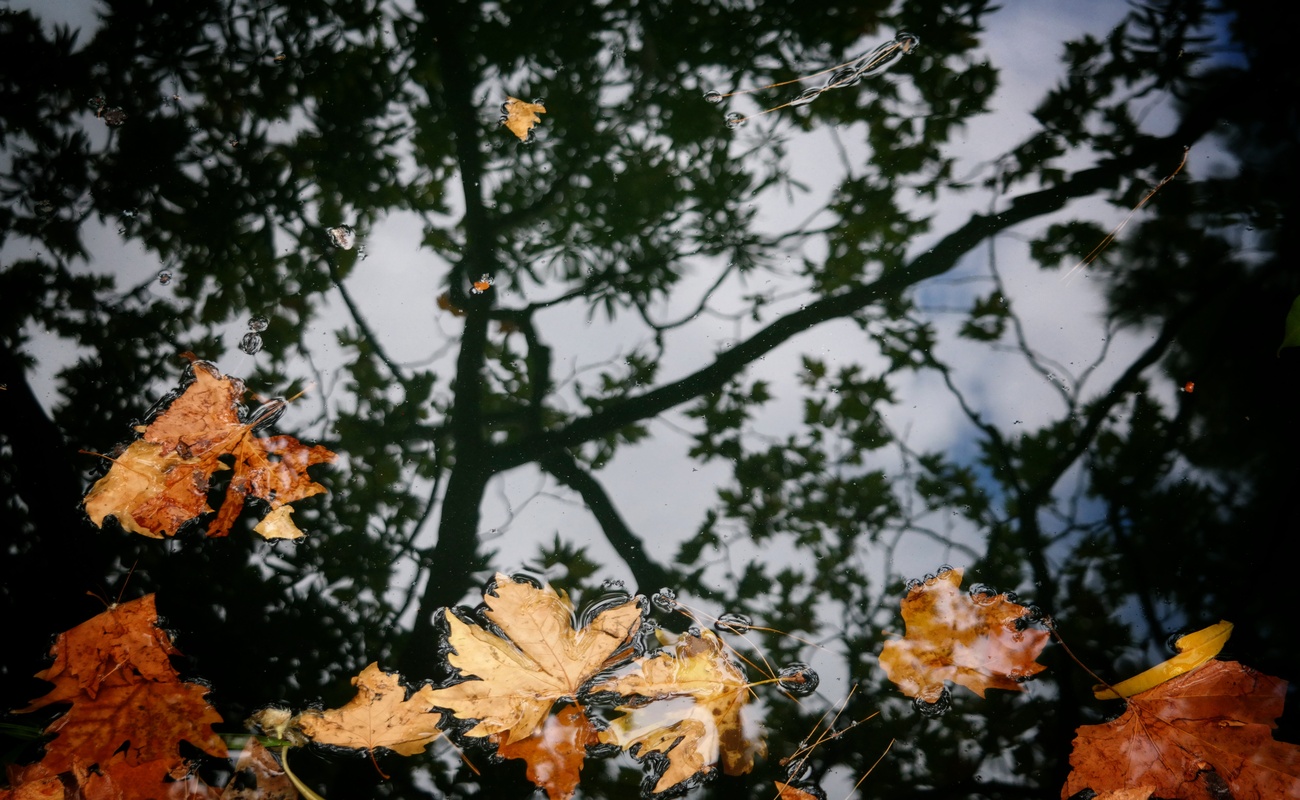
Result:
pixel 1126 511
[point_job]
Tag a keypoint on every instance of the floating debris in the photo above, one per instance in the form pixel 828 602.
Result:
pixel 481 285
pixel 343 237
pixel 846 74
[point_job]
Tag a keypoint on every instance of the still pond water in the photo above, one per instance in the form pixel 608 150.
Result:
pixel 777 306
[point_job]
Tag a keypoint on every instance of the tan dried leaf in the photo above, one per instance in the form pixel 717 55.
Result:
pixel 380 715
pixel 543 657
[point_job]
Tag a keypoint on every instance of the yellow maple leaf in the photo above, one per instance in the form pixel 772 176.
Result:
pixel 543 657
pixel 695 719
pixel 520 116
pixel 380 715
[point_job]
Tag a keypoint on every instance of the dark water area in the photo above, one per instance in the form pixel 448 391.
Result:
pixel 776 305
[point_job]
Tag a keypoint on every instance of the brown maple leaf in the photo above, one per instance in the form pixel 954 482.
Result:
pixel 520 117
pixel 696 695
pixel 1203 735
pixel 543 658
pixel 120 647
pixel 978 642
pixel 129 709
pixel 380 715
pixel 160 482
pixel 555 752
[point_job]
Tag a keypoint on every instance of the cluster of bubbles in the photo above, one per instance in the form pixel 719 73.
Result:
pixel 930 579
pixel 665 600
pixel 252 341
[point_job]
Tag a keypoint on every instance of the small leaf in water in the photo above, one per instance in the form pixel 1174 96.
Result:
pixel 521 116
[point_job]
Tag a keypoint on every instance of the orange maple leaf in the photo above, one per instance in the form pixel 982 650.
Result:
pixel 543 657
pixel 556 751
pixel 160 482
pixel 1203 735
pixel 129 709
pixel 380 715
pixel 697 694
pixel 978 642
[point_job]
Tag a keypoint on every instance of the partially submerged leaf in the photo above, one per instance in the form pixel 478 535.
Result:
pixel 698 693
pixel 513 682
pixel 258 776
pixel 129 709
pixel 1204 735
pixel 380 715
pixel 520 117
pixel 555 751
pixel 1194 650
pixel 160 482
pixel 981 643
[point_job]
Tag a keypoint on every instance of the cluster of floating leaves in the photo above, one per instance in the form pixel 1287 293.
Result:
pixel 847 74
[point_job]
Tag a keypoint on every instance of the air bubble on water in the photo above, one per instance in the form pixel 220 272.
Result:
pixel 944 569
pixel 982 593
pixel 914 585
pixel 734 623
pixel 665 599
pixel 935 709
pixel 1011 597
pixel 798 679
pixel 258 323
pixel 342 236
pixel 251 343
pixel 735 119
pixel 930 579
pixel 613 585
pixel 164 277
pixel 713 97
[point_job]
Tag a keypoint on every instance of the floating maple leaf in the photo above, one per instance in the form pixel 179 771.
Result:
pixel 543 657
pixel 1203 735
pixel 978 642
pixel 129 709
pixel 160 482
pixel 698 693
pixel 520 117
pixel 380 715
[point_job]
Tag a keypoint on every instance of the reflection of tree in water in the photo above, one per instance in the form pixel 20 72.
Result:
pixel 249 131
